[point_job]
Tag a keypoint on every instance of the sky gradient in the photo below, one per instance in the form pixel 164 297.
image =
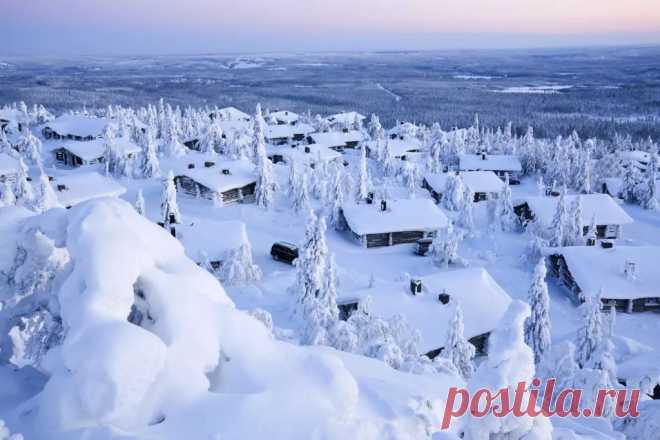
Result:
pixel 68 27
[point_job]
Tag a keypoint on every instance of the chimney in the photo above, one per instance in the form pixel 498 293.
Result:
pixel 226 171
pixel 383 205
pixel 483 155
pixel 444 297
pixel 606 244
pixel 415 287
pixel 61 187
pixel 191 166
pixel 209 164
pixel 307 150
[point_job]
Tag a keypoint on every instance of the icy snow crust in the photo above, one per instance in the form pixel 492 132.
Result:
pixel 199 368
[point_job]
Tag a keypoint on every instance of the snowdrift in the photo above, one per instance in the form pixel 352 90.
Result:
pixel 154 348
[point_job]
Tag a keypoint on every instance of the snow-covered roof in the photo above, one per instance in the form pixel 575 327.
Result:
pixel 605 209
pixel 345 117
pixel 404 128
pixel 476 181
pixel 401 215
pixel 231 114
pixel 10 114
pixel 237 125
pixel 241 172
pixel 78 125
pixel 481 298
pixel 317 153
pixel 399 147
pixel 594 268
pixel 287 131
pixel 8 164
pixel 284 116
pixel 637 155
pixel 492 162
pixel 227 236
pixel 337 138
pixel 81 187
pixel 94 149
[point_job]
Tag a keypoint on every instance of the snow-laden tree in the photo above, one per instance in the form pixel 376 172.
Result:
pixel 313 308
pixel 328 295
pixel 509 362
pixel 46 198
pixel 139 204
pixel 150 166
pixel 537 326
pixel 22 188
pixel 409 174
pixel 388 161
pixel 265 186
pixel 364 181
pixel 239 268
pixel 466 213
pixel 574 227
pixel 559 222
pixel 444 248
pixel 336 219
pixel 212 141
pixel 294 175
pixel 374 128
pixel 648 192
pixel 631 178
pixel 590 333
pixel 30 148
pixel 169 210
pixel 452 197
pixel 583 177
pixel 300 199
pixel 8 198
pixel 505 214
pixel 457 348
pixel 258 132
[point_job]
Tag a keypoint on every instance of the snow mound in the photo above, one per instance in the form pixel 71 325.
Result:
pixel 154 348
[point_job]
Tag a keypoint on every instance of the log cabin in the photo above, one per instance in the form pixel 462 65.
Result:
pixel 500 164
pixel 72 189
pixel 392 222
pixel 283 117
pixel 284 134
pixel 229 114
pixel 308 155
pixel 225 181
pixel 75 128
pixel 608 215
pixel 485 185
pixel 431 309
pixel 337 140
pixel 626 276
pixel 227 237
pixel 75 154
pixel 401 148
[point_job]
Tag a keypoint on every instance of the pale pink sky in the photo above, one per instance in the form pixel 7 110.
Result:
pixel 207 25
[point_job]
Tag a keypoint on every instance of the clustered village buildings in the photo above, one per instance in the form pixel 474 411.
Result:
pixel 624 276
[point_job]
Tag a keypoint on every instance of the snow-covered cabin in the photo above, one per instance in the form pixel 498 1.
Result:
pixel 226 181
pixel 8 168
pixel 337 140
pixel 196 239
pixel 303 154
pixel 627 276
pixel 403 130
pixel 75 128
pixel 79 187
pixel 481 298
pixel 390 222
pixel 75 154
pixel 284 134
pixel 283 117
pixel 601 208
pixel 500 164
pixel 400 148
pixel 230 114
pixel 484 185
pixel 345 119
pixel 640 159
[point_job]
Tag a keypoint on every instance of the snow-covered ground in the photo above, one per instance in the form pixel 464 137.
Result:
pixel 201 366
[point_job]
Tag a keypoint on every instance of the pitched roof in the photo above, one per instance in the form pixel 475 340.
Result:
pixel 476 181
pixel 78 125
pixel 594 268
pixel 398 147
pixel 492 162
pixel 242 172
pixel 90 150
pixel 81 187
pixel 317 152
pixel 481 298
pixel 284 116
pixel 401 215
pixel 287 131
pixel 337 138
pixel 227 236
pixel 605 209
pixel 345 117
pixel 231 114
